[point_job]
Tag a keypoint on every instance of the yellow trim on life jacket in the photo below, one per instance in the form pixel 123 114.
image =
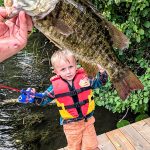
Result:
pixel 66 115
pixel 91 103
pixel 63 112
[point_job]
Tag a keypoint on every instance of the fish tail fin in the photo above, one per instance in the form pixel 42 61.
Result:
pixel 129 83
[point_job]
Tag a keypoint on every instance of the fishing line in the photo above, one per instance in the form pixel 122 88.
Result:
pixel 9 88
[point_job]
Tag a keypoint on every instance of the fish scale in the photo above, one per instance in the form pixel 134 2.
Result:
pixel 77 25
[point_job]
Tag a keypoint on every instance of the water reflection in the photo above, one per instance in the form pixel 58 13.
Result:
pixel 6 142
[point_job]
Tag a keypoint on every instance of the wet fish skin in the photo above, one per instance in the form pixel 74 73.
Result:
pixel 38 8
pixel 76 25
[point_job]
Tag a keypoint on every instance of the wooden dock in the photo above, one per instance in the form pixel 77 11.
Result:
pixel 135 136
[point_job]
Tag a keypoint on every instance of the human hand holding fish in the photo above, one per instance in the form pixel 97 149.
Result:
pixel 13 33
pixel 100 68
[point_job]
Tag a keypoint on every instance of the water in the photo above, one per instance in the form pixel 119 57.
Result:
pixel 6 142
pixel 31 68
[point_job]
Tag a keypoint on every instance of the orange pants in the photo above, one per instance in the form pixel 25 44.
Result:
pixel 81 135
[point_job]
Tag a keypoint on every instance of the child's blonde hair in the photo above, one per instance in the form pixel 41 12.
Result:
pixel 61 55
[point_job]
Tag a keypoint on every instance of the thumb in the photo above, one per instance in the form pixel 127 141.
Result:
pixel 99 66
pixel 101 69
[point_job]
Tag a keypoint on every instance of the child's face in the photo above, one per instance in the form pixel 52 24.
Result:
pixel 66 69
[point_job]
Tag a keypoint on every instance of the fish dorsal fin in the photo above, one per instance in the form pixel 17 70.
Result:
pixel 119 39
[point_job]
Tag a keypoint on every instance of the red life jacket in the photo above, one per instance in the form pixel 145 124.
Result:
pixel 73 103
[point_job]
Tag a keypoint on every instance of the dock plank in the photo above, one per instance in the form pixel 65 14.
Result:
pixel 105 143
pixel 119 140
pixel 147 121
pixel 143 128
pixel 135 138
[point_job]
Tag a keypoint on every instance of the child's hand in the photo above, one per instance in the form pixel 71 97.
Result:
pixel 101 69
pixel 27 96
pixel 33 90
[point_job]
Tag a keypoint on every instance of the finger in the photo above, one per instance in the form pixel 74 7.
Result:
pixel 3 29
pixel 99 66
pixel 23 25
pixel 3 13
pixel 10 25
pixel 29 23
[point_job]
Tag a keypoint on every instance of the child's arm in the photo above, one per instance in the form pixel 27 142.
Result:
pixel 31 96
pixel 100 79
pixel 48 97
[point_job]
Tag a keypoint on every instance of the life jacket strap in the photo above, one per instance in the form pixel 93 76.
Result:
pixel 76 105
pixel 74 92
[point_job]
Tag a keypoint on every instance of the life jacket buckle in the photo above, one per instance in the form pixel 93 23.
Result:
pixel 77 105
pixel 73 93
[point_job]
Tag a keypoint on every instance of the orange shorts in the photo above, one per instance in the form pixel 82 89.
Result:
pixel 81 135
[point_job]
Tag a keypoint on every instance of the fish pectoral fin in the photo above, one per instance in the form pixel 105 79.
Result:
pixel 62 28
pixel 119 39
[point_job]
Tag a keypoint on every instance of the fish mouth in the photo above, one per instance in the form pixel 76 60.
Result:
pixel 11 10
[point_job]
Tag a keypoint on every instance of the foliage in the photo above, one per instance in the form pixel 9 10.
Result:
pixel 122 123
pixel 132 18
pixel 1 2
pixel 141 117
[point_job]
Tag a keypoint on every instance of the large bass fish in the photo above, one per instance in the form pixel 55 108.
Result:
pixel 77 25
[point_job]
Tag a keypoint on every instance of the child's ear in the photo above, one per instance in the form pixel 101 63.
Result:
pixel 54 71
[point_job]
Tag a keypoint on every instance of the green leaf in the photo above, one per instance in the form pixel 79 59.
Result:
pixel 138 39
pixel 96 91
pixel 147 24
pixel 145 12
pixel 141 32
pixel 135 28
pixel 141 117
pixel 146 100
pixel 146 93
pixel 122 123
pixel 140 102
pixel 98 102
